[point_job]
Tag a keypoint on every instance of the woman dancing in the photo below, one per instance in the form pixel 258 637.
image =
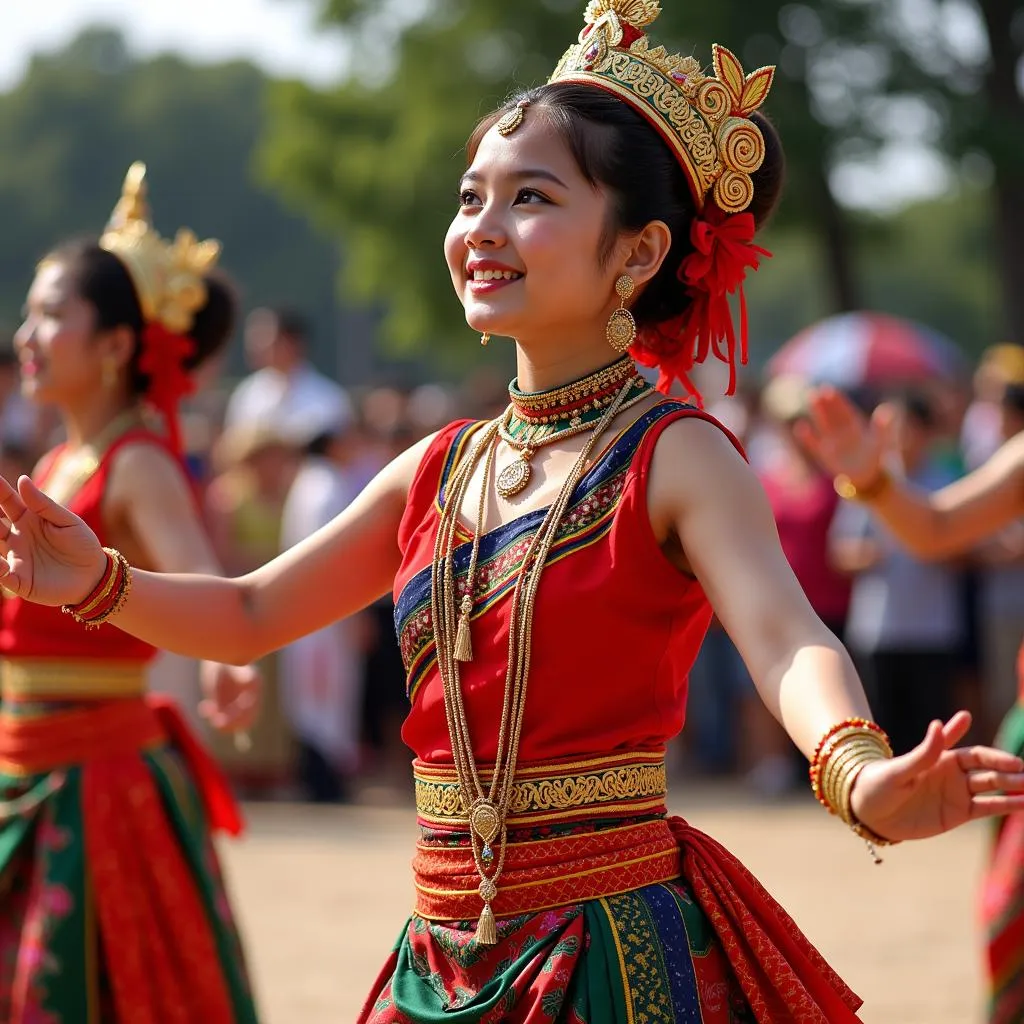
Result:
pixel 554 572
pixel 112 906
pixel 949 522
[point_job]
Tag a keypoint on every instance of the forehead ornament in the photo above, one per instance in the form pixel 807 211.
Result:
pixel 513 119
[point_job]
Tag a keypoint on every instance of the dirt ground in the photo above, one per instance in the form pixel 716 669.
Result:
pixel 321 895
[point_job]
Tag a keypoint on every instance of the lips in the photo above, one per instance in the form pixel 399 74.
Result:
pixel 489 275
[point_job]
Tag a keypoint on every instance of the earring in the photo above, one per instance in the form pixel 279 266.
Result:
pixel 109 373
pixel 485 338
pixel 621 330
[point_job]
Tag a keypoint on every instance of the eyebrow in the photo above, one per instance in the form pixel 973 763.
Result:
pixel 471 177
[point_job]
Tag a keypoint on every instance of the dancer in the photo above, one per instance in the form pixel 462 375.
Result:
pixel 112 907
pixel 554 573
pixel 946 523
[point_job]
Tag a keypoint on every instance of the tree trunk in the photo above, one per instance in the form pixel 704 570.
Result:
pixel 1005 130
pixel 834 234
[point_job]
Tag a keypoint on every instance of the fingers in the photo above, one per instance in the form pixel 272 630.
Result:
pixel 924 756
pixel 973 759
pixel 11 504
pixel 956 728
pixel 33 500
pixel 995 782
pixel 993 806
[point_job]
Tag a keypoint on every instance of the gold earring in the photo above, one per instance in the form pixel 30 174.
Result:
pixel 485 338
pixel 109 373
pixel 621 330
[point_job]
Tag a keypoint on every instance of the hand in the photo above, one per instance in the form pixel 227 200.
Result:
pixel 935 787
pixel 231 696
pixel 843 440
pixel 49 555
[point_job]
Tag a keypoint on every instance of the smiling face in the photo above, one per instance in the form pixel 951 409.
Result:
pixel 525 248
pixel 56 347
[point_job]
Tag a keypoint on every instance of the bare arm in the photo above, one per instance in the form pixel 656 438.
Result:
pixel 933 526
pixel 53 559
pixel 726 528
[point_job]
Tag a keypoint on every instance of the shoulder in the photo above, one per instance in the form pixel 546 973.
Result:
pixel 696 436
pixel 144 467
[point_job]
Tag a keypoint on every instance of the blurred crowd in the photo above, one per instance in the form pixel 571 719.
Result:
pixel 284 451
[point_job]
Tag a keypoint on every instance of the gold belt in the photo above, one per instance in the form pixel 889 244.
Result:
pixel 618 785
pixel 44 679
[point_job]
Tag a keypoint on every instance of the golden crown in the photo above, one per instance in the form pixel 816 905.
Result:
pixel 168 276
pixel 704 119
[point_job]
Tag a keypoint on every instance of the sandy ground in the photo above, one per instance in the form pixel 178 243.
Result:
pixel 322 894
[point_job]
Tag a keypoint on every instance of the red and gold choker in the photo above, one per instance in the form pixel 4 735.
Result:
pixel 572 401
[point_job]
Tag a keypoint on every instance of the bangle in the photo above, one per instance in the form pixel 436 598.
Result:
pixel 847 489
pixel 839 758
pixel 108 596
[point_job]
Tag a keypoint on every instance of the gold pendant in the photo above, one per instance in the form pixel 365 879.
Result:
pixel 516 475
pixel 485 820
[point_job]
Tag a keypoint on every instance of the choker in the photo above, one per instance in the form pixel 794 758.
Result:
pixel 535 420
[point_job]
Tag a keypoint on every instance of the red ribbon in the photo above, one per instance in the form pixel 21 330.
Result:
pixel 163 361
pixel 724 251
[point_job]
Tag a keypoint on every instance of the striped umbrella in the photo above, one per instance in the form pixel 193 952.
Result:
pixel 855 350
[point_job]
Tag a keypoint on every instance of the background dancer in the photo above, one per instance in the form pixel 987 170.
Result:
pixel 112 903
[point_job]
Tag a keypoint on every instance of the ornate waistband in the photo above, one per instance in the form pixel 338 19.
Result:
pixel 44 679
pixel 617 786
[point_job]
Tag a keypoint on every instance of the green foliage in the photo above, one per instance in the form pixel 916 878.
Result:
pixel 81 116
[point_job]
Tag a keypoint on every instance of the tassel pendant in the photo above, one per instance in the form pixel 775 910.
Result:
pixel 487 928
pixel 463 640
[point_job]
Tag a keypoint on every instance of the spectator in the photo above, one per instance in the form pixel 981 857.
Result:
pixel 285 391
pixel 905 626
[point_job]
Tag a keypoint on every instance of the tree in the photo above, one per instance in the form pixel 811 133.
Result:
pixel 78 119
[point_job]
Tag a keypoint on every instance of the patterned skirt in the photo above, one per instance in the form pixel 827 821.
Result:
pixel 112 906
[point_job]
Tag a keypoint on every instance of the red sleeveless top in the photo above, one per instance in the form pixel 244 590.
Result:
pixel 34 631
pixel 616 626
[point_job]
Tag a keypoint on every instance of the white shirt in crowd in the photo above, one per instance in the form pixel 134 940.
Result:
pixel 288 403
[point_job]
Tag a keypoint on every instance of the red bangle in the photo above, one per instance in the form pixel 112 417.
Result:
pixel 108 596
pixel 823 751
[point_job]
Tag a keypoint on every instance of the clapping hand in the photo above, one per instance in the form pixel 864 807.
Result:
pixel 231 696
pixel 938 786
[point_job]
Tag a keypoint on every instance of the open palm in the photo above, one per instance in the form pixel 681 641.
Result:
pixel 938 786
pixel 843 439
pixel 50 556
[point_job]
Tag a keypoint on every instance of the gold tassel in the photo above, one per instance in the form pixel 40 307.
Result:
pixel 486 928
pixel 463 639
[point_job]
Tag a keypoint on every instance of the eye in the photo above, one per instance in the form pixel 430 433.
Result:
pixel 467 197
pixel 530 196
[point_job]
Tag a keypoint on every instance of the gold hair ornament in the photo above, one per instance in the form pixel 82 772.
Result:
pixel 513 119
pixel 705 119
pixel 168 276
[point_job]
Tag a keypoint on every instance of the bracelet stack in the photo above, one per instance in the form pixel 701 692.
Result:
pixel 108 596
pixel 843 752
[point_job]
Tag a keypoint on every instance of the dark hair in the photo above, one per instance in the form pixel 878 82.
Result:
pixel 288 321
pixel 616 148
pixel 918 408
pixel 104 282
pixel 1013 398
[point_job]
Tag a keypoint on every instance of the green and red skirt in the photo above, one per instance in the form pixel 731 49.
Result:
pixel 112 906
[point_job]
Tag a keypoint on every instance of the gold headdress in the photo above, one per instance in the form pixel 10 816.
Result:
pixel 168 276
pixel 704 119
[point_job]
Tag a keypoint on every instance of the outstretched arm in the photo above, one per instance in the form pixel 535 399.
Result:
pixel 934 526
pixel 53 558
pixel 801 671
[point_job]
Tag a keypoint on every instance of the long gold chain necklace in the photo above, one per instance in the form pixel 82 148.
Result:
pixel 532 436
pixel 486 808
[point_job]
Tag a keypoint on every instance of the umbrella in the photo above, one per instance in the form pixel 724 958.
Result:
pixel 855 350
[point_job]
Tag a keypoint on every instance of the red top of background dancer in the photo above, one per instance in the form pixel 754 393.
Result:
pixel 35 631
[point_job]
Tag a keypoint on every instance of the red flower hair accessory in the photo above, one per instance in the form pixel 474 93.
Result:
pixel 163 360
pixel 724 251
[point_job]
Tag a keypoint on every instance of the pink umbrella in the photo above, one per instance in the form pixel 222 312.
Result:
pixel 854 350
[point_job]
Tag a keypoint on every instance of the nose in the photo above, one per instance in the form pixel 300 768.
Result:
pixel 486 230
pixel 24 334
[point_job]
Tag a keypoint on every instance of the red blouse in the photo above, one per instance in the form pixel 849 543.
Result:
pixel 616 627
pixel 34 631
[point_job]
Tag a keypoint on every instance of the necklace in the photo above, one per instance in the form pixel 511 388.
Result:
pixel 486 807
pixel 72 470
pixel 526 431
pixel 564 403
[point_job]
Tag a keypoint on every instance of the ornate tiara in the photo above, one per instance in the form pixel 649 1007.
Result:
pixel 168 276
pixel 704 119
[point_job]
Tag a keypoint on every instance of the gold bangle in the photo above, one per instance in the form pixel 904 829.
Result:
pixel 849 491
